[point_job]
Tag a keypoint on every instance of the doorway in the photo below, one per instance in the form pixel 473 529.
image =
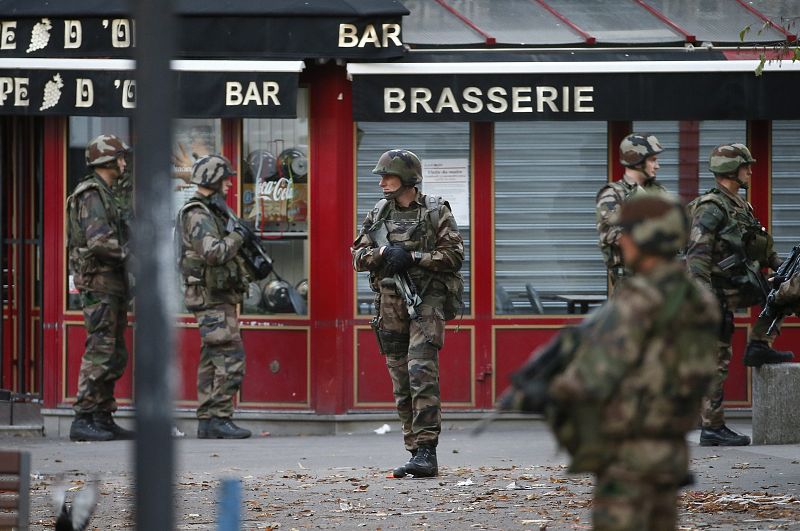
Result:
pixel 21 216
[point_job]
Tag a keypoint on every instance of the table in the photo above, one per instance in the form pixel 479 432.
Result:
pixel 583 300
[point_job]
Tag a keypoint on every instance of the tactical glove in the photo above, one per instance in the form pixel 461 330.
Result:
pixel 232 226
pixel 397 259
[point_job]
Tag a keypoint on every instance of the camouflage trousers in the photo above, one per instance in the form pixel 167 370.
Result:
pixel 221 368
pixel 639 489
pixel 712 413
pixel 106 356
pixel 415 370
pixel 788 299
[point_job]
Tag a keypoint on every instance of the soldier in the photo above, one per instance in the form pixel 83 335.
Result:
pixel 636 374
pixel 98 256
pixel 424 242
pixel 215 279
pixel 639 155
pixel 727 249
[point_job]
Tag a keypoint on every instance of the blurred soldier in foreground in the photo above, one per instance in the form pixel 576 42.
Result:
pixel 215 279
pixel 639 155
pixel 98 255
pixel 727 249
pixel 411 246
pixel 629 379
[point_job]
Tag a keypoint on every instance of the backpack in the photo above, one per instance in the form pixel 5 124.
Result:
pixel 453 281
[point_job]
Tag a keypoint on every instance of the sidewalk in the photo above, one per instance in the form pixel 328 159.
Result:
pixel 508 478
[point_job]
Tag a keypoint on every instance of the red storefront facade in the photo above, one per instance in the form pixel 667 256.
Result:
pixel 324 363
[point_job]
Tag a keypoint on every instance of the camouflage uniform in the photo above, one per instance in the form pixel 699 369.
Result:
pixel 631 392
pixel 98 251
pixel 413 362
pixel 214 280
pixel 722 223
pixel 634 149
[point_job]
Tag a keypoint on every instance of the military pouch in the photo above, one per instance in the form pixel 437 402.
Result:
pixel 758 245
pixel 392 342
pixel 192 271
pixel 454 302
pixel 726 327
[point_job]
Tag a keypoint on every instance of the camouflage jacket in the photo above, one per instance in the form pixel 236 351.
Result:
pixel 643 363
pixel 441 247
pixel 211 268
pixel 724 226
pixel 98 238
pixel 608 200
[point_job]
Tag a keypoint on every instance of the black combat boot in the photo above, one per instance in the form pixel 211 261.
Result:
pixel 224 428
pixel 84 429
pixel 104 420
pixel 722 436
pixel 759 352
pixel 423 465
pixel 400 472
pixel 202 428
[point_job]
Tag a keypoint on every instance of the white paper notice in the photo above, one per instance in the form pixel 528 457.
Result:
pixel 449 178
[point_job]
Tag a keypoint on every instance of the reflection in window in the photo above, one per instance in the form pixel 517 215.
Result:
pixel 274 199
pixel 438 145
pixel 82 129
pixel 785 185
pixel 547 175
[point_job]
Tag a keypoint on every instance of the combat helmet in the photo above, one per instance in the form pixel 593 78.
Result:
pixel 105 149
pixel 276 296
pixel 262 165
pixel 401 162
pixel 656 222
pixel 727 158
pixel 211 170
pixel 636 147
pixel 293 164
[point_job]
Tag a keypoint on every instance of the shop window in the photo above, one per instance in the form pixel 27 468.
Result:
pixel 547 175
pixel 275 200
pixel 785 185
pixel 82 129
pixel 444 149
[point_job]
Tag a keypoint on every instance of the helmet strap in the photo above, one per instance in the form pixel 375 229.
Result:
pixel 397 193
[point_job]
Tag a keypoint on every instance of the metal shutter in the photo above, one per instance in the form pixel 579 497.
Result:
pixel 785 185
pixel 547 175
pixel 428 140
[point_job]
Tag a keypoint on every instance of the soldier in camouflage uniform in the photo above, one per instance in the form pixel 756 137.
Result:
pixel 431 252
pixel 639 155
pixel 727 249
pixel 98 255
pixel 214 279
pixel 638 369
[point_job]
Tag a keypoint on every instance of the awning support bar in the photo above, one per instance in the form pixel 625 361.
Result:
pixel 590 39
pixel 471 25
pixel 789 37
pixel 663 18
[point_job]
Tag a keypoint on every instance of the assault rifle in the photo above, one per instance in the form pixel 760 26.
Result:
pixel 786 271
pixel 753 275
pixel 403 283
pixel 255 257
pixel 258 261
